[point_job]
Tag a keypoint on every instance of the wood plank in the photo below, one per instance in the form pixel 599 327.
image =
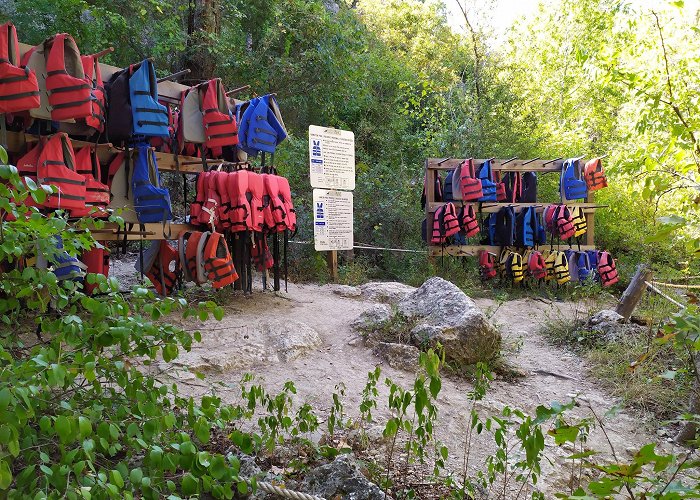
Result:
pixel 634 292
pixel 472 250
pixel 492 207
pixel 153 231
pixel 497 164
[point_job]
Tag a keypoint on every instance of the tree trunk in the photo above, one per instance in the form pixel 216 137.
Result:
pixel 203 24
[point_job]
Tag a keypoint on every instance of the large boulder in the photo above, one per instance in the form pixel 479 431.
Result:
pixel 389 291
pixel 373 318
pixel 442 314
pixel 341 479
pixel 399 356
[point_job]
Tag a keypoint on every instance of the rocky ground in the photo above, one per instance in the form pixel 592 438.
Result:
pixel 307 336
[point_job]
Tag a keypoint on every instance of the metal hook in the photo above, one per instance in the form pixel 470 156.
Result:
pixel 552 161
pixel 238 90
pixel 173 76
pixel 443 161
pixel 510 160
pixel 530 161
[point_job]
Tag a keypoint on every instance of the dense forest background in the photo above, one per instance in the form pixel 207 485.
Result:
pixel 588 77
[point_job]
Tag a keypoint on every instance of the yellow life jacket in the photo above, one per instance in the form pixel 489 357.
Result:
pixel 561 268
pixel 578 219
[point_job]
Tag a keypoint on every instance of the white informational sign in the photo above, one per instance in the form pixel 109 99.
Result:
pixel 332 158
pixel 332 220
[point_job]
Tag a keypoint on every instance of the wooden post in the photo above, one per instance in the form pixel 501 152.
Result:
pixel 332 259
pixel 634 292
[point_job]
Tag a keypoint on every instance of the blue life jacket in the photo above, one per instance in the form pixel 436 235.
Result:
pixel 571 186
pixel 447 189
pixel 593 262
pixel 151 201
pixel 488 187
pixel 526 227
pixel 504 227
pixel 259 129
pixel 584 266
pixel 528 188
pixel 150 117
pixel 459 238
pixel 573 263
pixel 541 231
pixel 488 230
pixel 65 266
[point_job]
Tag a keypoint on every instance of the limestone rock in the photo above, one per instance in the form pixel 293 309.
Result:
pixel 389 291
pixel 342 479
pixel 346 291
pixel 373 318
pixel 606 316
pixel 399 356
pixel 290 339
pixel 444 314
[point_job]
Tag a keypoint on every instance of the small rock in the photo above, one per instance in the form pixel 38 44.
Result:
pixel 356 341
pixel 342 479
pixel 389 291
pixel 346 291
pixel 606 316
pixel 399 356
pixel 373 318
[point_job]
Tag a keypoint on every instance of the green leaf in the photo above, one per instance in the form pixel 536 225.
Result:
pixel 190 484
pixel 201 429
pixel 5 398
pixel 218 468
pixel 3 155
pixel 63 428
pixel 5 475
pixel 117 478
pixel 85 426
pixel 135 476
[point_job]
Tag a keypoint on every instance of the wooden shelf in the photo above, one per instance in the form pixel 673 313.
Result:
pixel 153 231
pixel 472 250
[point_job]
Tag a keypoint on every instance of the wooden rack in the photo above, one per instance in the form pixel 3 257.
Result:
pixel 434 165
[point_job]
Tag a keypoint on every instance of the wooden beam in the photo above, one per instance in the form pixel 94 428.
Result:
pixel 471 250
pixel 152 231
pixel 332 260
pixel 523 165
pixel 634 292
pixel 492 206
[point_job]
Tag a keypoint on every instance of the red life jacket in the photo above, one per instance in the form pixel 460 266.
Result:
pixel 487 265
pixel 607 269
pixel 468 222
pixel 558 220
pixel 275 204
pixel 239 212
pixel 93 75
pixel 500 187
pixel 594 175
pixel 210 207
pixel 254 195
pixel 163 278
pixel 260 253
pixel 191 245
pixel 96 194
pixel 219 126
pixel 536 265
pixel 97 262
pixel 218 263
pixel 198 203
pixel 221 181
pixel 19 89
pixel 70 96
pixel 286 195
pixel 445 224
pixel 471 186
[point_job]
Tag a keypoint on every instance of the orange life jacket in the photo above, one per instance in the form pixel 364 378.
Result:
pixel 471 186
pixel 19 89
pixel 163 278
pixel 536 265
pixel 218 263
pixel 286 195
pixel 200 198
pixel 52 162
pixel 594 175
pixel 261 256
pixel 93 75
pixel 70 96
pixel 219 126
pixel 239 212
pixel 96 194
pixel 607 269
pixel 274 202
pixel 191 245
pixel 255 195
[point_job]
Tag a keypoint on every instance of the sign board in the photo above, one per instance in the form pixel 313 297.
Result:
pixel 332 220
pixel 332 158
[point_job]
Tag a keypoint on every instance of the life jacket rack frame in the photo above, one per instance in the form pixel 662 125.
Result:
pixel 169 91
pixel 433 166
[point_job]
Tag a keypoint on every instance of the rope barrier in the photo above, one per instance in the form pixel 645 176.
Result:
pixel 662 294
pixel 675 285
pixel 369 247
pixel 284 492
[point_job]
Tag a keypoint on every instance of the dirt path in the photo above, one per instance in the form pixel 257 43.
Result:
pixel 551 374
